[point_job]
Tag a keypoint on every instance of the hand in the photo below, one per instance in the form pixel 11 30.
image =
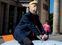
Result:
pixel 45 37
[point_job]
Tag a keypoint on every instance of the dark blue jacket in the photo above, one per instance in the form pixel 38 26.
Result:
pixel 27 25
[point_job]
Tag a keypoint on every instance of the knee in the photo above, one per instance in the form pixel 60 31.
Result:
pixel 27 41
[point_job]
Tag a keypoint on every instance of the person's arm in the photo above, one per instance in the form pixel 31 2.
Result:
pixel 43 35
pixel 40 27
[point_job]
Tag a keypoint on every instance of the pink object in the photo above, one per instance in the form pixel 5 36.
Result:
pixel 46 27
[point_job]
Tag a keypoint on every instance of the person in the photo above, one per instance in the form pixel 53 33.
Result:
pixel 29 27
pixel 47 27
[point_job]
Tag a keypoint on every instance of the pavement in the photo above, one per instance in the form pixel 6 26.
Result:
pixel 1 40
pixel 51 37
pixel 55 37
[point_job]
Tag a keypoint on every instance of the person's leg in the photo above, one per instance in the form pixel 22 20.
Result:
pixel 18 39
pixel 27 41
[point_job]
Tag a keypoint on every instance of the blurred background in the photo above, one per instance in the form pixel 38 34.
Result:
pixel 11 12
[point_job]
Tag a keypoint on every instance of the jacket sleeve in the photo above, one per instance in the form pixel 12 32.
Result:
pixel 40 27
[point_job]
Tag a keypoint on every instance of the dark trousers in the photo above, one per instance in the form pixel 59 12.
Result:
pixel 26 41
